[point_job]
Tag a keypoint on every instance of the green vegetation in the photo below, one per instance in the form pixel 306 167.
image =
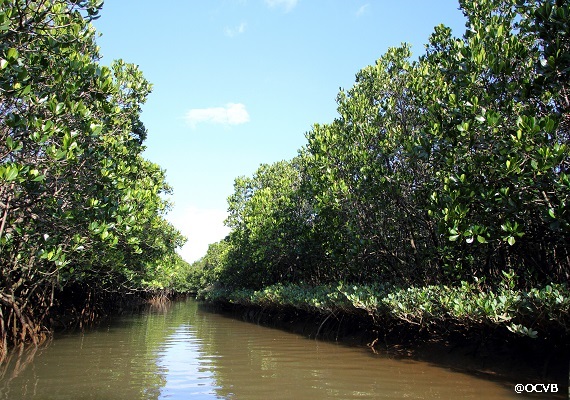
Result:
pixel 80 208
pixel 440 192
pixel 435 307
pixel 437 196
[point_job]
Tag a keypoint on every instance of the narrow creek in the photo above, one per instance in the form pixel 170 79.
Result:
pixel 182 351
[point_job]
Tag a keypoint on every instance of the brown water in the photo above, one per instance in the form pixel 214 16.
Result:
pixel 184 352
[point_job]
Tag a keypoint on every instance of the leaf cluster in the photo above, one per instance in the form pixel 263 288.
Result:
pixel 534 313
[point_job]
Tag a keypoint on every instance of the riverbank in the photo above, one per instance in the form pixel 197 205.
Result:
pixel 510 335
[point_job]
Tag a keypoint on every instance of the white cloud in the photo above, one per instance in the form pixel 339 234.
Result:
pixel 362 10
pixel 238 30
pixel 230 114
pixel 201 226
pixel 287 5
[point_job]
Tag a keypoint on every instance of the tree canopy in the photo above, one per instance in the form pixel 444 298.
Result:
pixel 79 205
pixel 445 168
pixel 438 196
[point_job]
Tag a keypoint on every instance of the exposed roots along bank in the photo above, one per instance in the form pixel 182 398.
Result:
pixel 32 320
pixel 22 319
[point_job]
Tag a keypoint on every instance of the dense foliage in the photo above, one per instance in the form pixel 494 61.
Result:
pixel 435 307
pixel 438 172
pixel 79 206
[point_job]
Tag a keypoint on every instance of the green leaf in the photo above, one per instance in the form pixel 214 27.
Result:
pixel 10 143
pixel 96 129
pixel 10 173
pixel 59 108
pixel 60 155
pixel 12 54
pixel 551 213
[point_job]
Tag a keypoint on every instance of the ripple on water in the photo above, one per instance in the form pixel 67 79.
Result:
pixel 184 352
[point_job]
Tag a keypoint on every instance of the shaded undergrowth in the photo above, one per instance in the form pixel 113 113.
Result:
pixel 539 313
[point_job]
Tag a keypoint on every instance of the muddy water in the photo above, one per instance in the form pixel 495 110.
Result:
pixel 185 352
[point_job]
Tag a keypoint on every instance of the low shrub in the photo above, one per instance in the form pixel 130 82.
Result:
pixel 530 313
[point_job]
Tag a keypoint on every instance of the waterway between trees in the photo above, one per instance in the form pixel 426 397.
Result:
pixel 183 351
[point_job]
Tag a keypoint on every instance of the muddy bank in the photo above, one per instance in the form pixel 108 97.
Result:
pixel 494 353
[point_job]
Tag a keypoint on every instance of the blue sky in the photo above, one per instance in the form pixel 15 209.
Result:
pixel 238 83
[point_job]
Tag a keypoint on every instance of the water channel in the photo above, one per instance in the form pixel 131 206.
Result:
pixel 183 351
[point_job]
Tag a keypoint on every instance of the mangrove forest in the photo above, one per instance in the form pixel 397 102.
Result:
pixel 437 198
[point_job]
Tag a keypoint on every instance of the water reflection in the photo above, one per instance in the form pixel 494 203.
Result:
pixel 185 352
pixel 187 368
pixel 260 363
